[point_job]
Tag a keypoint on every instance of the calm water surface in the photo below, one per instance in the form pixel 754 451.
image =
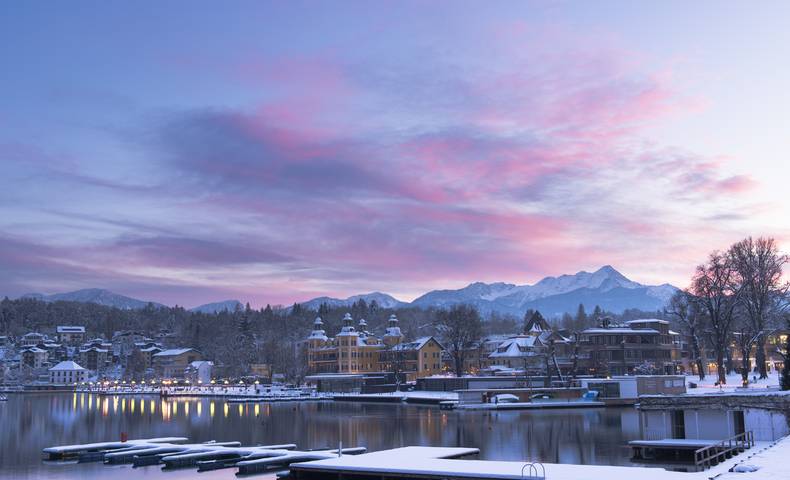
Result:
pixel 31 422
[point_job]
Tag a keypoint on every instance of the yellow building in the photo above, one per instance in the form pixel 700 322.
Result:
pixel 354 350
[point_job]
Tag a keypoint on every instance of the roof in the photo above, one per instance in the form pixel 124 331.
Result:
pixel 516 347
pixel 174 352
pixel 636 331
pixel 644 320
pixel 34 350
pixel 200 363
pixel 33 334
pixel 96 349
pixel 416 344
pixel 67 365
pixel 70 329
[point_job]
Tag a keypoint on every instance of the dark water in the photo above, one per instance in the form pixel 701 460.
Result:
pixel 31 422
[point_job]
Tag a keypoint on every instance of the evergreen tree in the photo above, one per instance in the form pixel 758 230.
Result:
pixel 581 318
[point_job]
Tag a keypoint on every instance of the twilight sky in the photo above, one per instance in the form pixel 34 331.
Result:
pixel 187 152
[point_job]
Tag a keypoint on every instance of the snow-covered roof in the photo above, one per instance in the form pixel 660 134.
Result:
pixel 645 320
pixel 517 347
pixel 635 331
pixel 67 365
pixel 94 349
pixel 70 329
pixel 173 352
pixel 415 345
pixel 200 363
pixel 34 350
pixel 32 334
pixel 150 349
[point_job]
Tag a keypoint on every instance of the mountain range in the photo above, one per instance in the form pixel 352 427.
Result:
pixel 107 298
pixel 553 296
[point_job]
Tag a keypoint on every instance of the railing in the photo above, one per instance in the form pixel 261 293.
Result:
pixel 713 454
pixel 531 469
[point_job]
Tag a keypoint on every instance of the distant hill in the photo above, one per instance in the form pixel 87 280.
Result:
pixel 216 307
pixel 94 295
pixel 384 301
pixel 553 296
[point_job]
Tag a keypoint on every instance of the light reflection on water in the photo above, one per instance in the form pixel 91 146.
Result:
pixel 31 422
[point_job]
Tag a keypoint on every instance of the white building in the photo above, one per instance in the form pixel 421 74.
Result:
pixel 67 373
pixel 199 371
pixel 71 334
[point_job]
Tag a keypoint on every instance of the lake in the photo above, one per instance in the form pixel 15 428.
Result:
pixel 31 422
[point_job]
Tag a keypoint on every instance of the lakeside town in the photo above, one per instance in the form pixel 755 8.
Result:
pixel 700 403
pixel 412 240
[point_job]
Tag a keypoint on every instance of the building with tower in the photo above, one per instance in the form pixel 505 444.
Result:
pixel 355 350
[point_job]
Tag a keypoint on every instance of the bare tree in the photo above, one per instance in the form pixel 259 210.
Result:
pixel 717 293
pixel 460 327
pixel 758 264
pixel 685 309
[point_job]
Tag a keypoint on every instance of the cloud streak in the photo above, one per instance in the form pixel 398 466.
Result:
pixel 339 174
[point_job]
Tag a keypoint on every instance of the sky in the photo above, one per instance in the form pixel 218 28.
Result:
pixel 188 151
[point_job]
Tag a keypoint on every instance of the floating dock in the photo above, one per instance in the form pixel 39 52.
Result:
pixel 434 463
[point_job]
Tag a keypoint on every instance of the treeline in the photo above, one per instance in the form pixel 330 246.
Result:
pixel 236 339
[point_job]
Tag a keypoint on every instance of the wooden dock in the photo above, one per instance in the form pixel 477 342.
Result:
pixel 702 453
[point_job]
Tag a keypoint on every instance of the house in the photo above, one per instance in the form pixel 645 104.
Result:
pixel 70 334
pixel 33 357
pixel 67 373
pixel 531 350
pixel 94 358
pixel 633 347
pixel 148 354
pixel 173 363
pixel 32 339
pixel 417 359
pixel 199 371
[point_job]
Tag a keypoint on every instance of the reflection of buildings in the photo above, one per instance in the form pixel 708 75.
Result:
pixel 355 350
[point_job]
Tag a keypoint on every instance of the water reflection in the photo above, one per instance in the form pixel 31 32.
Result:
pixel 32 422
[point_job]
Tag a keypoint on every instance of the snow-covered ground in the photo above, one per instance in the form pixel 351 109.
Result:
pixel 769 463
pixel 708 385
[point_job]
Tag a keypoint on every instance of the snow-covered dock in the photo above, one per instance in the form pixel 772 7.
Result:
pixel 72 451
pixel 442 463
pixel 532 405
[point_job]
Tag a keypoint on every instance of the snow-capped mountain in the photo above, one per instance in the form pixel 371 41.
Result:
pixel 215 307
pixel 94 295
pixel 553 296
pixel 384 301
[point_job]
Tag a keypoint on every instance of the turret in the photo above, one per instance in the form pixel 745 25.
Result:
pixel 393 336
pixel 348 324
pixel 318 335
